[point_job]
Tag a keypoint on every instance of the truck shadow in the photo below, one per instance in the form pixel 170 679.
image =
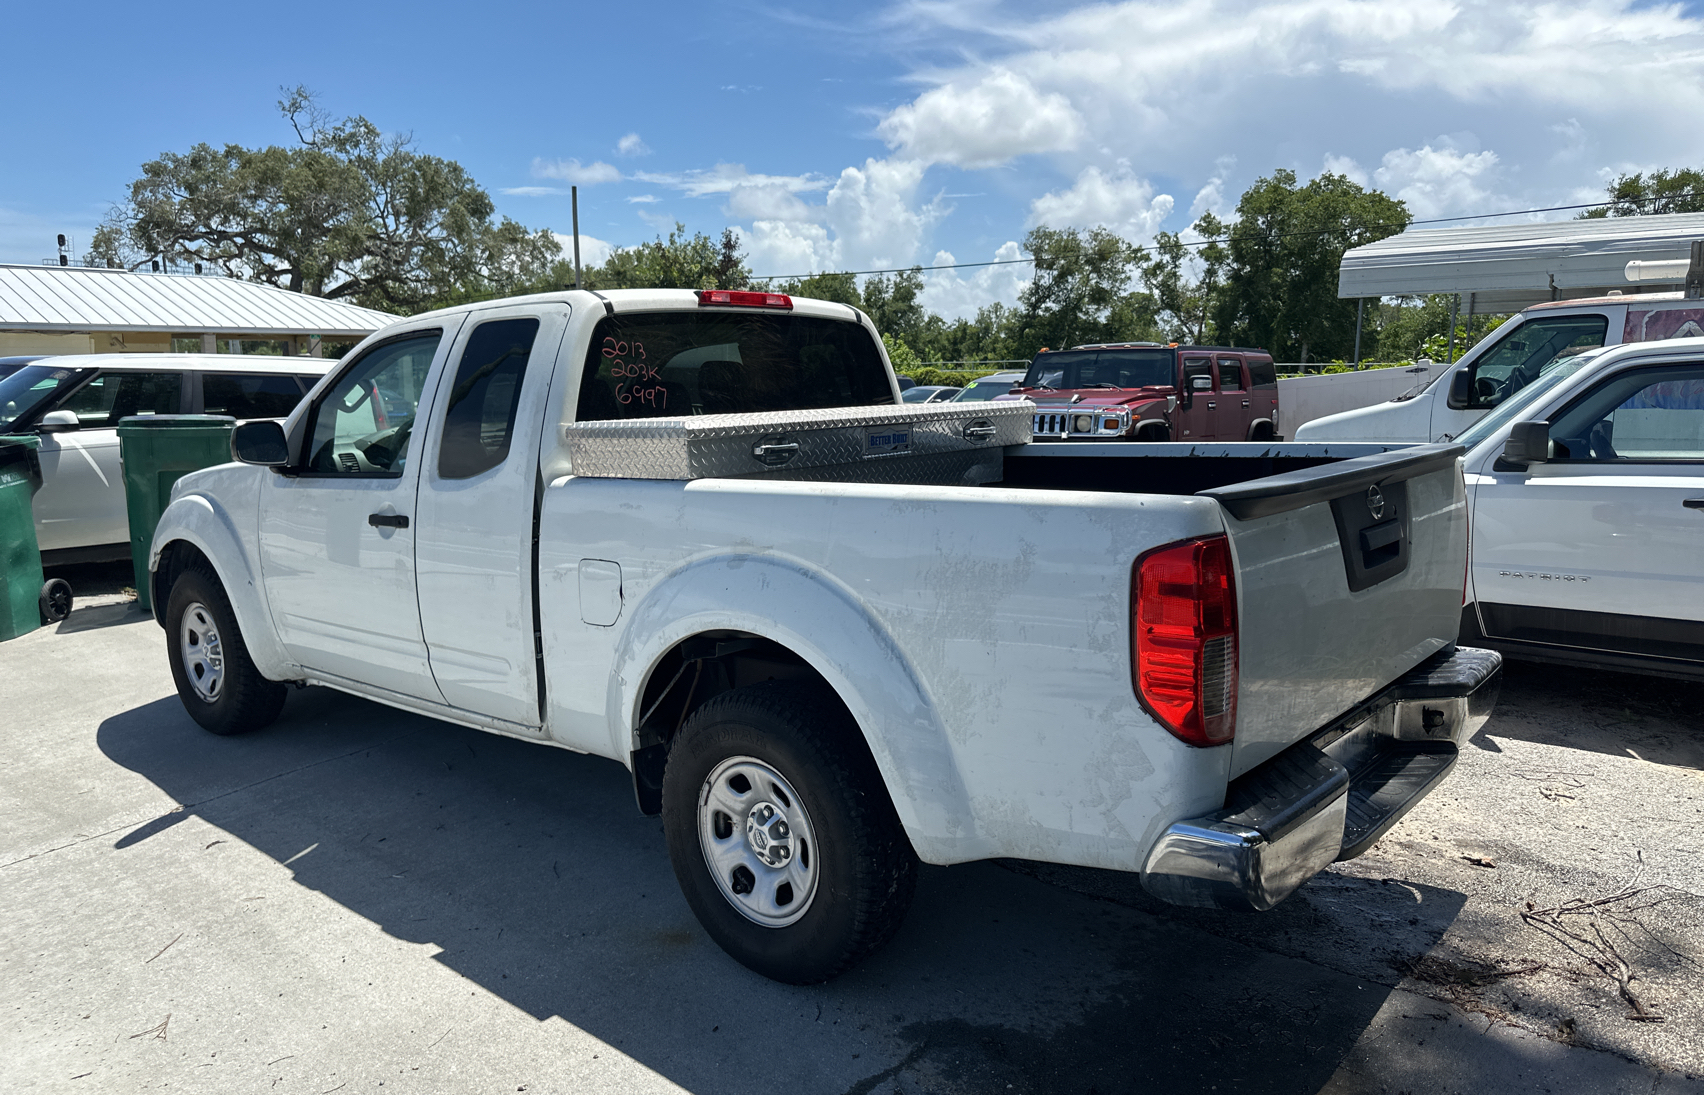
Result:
pixel 1652 718
pixel 534 873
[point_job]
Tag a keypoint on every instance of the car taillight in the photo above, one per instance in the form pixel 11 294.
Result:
pixel 1183 653
pixel 741 299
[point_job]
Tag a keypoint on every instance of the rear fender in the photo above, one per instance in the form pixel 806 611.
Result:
pixel 198 520
pixel 819 619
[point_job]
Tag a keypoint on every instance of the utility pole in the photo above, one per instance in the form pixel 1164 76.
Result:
pixel 1454 304
pixel 574 200
pixel 1360 307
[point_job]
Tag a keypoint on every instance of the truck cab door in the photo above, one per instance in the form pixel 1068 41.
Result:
pixel 1598 547
pixel 337 533
pixel 1236 408
pixel 474 546
pixel 1198 404
pixel 1518 355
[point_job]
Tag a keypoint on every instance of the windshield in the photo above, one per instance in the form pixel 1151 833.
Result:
pixel 32 387
pixel 978 390
pixel 1511 408
pixel 1102 369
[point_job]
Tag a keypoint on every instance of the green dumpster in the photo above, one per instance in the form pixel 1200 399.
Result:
pixel 20 558
pixel 155 451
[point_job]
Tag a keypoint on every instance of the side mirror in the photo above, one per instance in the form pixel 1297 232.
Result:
pixel 1528 443
pixel 1201 383
pixel 1461 389
pixel 261 443
pixel 59 422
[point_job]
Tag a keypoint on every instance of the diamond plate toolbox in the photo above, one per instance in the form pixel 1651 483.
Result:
pixel 895 443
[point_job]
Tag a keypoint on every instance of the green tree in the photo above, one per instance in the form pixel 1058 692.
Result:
pixel 840 288
pixel 903 357
pixel 1182 302
pixel 891 302
pixel 678 262
pixel 1081 278
pixel 1280 290
pixel 1415 327
pixel 1680 190
pixel 346 213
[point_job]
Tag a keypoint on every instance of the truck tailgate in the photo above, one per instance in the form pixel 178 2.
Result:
pixel 1348 576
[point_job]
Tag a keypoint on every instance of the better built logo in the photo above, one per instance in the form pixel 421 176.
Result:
pixel 888 442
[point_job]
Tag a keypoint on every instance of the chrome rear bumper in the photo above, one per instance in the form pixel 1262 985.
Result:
pixel 1331 796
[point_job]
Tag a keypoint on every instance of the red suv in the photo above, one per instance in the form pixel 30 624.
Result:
pixel 1145 391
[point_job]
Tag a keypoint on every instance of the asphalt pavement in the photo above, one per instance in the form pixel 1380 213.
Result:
pixel 358 899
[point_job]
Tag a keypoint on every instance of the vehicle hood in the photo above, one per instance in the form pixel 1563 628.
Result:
pixel 1095 398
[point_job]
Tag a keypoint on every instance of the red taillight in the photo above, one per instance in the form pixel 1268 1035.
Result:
pixel 742 299
pixel 1183 654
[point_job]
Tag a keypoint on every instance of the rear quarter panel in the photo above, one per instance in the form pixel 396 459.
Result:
pixel 979 636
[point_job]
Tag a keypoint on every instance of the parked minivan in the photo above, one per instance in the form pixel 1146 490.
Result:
pixel 1522 349
pixel 1145 391
pixel 73 403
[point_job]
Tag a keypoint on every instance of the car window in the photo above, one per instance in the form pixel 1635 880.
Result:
pixel 980 390
pixel 1262 374
pixel 1519 357
pixel 33 387
pixel 480 417
pixel 112 396
pixel 362 422
pixel 249 395
pixel 1648 415
pixel 1194 367
pixel 645 365
pixel 1512 409
pixel 1230 374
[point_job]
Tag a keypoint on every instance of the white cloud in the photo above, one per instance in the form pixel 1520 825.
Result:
pixel 1438 182
pixel 1348 168
pixel 983 124
pixel 770 202
pixel 631 145
pixel 643 199
pixel 532 191
pixel 593 251
pixel 957 294
pixel 573 171
pixel 1120 201
pixel 724 178
pixel 871 219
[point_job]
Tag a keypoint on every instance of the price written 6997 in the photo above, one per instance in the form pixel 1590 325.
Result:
pixel 640 382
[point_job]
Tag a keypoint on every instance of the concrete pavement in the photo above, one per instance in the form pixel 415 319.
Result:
pixel 361 900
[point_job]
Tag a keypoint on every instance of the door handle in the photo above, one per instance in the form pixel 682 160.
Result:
pixel 387 520
pixel 1245 402
pixel 1694 503
pixel 1212 406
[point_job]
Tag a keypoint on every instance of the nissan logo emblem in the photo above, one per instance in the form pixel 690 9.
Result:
pixel 1375 502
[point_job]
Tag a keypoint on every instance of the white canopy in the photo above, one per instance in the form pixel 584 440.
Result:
pixel 1506 267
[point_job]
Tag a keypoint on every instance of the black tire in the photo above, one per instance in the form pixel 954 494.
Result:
pixel 865 868
pixel 1154 434
pixel 241 699
pixel 55 601
pixel 1261 431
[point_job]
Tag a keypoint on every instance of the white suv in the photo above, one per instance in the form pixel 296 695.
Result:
pixel 73 404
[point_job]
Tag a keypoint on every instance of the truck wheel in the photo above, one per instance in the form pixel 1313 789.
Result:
pixel 782 834
pixel 216 679
pixel 1154 434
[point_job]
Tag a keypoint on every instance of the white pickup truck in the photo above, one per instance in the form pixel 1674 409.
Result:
pixel 1587 490
pixel 1146 658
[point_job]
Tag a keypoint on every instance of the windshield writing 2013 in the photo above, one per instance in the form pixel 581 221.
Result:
pixel 635 376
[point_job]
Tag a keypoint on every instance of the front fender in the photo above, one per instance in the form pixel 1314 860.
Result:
pixel 197 518
pixel 820 619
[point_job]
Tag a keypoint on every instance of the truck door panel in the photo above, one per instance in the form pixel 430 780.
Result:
pixel 337 538
pixel 1198 410
pixel 474 541
pixel 1598 547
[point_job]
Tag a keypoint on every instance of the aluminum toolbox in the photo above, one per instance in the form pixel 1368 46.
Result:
pixel 894 443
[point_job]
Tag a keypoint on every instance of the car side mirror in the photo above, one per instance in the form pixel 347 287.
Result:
pixel 261 443
pixel 1461 389
pixel 1528 443
pixel 59 422
pixel 1201 383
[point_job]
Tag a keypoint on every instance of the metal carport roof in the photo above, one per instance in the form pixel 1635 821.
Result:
pixel 1507 267
pixel 78 298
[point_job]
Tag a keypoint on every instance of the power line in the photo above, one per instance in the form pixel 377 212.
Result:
pixel 1258 235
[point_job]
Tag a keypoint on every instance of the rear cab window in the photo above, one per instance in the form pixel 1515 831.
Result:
pixel 1262 374
pixel 672 364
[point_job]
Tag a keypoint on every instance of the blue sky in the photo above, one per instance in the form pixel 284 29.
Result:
pixel 843 138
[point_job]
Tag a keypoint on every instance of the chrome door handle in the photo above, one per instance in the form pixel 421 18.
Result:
pixel 980 430
pixel 1212 406
pixel 1245 402
pixel 387 520
pixel 1694 503
pixel 774 447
